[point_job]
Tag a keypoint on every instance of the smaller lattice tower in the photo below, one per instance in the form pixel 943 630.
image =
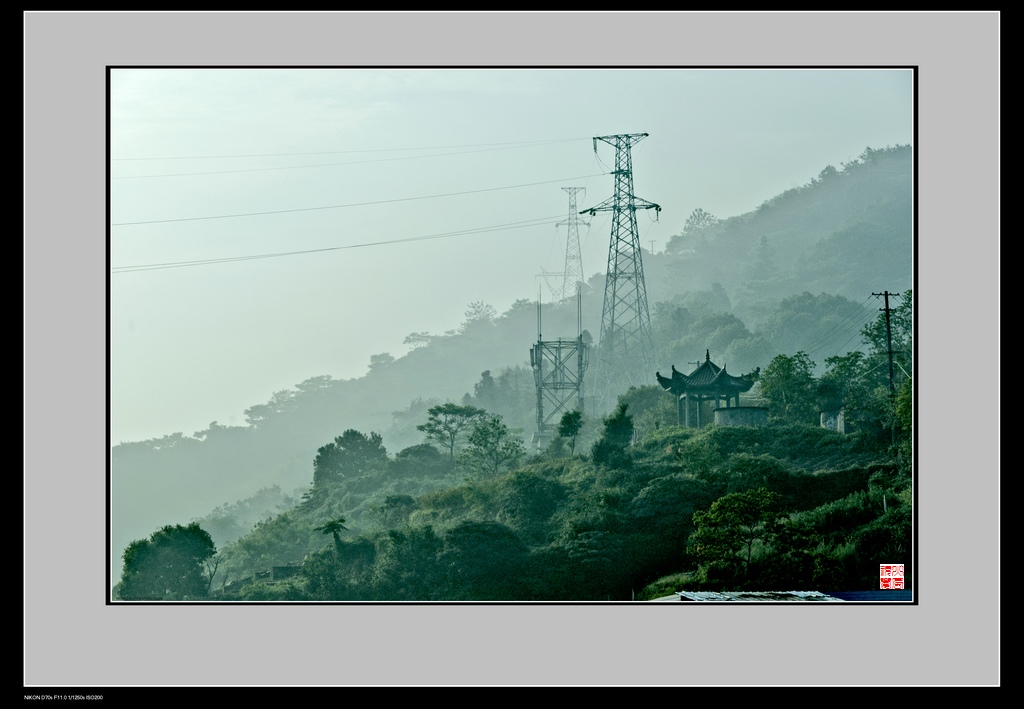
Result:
pixel 573 273
pixel 558 369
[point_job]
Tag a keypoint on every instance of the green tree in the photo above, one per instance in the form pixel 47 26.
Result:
pixel 877 334
pixel 492 446
pixel 658 517
pixel 274 541
pixel 901 327
pixel 695 231
pixel 168 565
pixel 857 383
pixel 419 462
pixel 483 561
pixel 801 321
pixel 713 331
pixel 351 454
pixel 600 565
pixel 394 510
pixel 406 567
pixel 847 382
pixel 650 408
pixel 610 448
pixel 447 422
pixel 341 574
pixel 789 386
pixel 905 426
pixel 479 317
pixel 699 221
pixel 569 428
pixel 485 389
pixel 380 362
pixel 334 527
pixel 509 393
pixel 526 502
pixel 762 264
pixel 727 533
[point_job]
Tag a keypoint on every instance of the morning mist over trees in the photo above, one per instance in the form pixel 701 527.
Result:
pixel 232 479
pixel 419 479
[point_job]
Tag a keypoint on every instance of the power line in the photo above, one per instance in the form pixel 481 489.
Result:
pixel 326 164
pixel 346 152
pixel 353 204
pixel 251 257
pixel 572 276
pixel 850 339
pixel 842 327
pixel 888 340
pixel 864 374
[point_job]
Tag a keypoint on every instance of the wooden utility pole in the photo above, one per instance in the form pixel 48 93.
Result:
pixel 888 343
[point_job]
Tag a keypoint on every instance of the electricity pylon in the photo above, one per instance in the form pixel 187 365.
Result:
pixel 625 354
pixel 573 272
pixel 558 369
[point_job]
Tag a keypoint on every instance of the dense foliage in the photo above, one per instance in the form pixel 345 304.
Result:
pixel 775 508
pixel 462 511
pixel 169 565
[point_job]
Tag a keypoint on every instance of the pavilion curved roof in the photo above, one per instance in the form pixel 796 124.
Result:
pixel 707 378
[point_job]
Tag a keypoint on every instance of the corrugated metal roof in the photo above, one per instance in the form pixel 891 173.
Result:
pixel 757 596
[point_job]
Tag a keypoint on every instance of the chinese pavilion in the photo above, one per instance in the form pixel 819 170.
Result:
pixel 708 382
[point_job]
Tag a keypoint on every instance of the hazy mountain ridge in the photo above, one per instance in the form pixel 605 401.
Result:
pixel 847 232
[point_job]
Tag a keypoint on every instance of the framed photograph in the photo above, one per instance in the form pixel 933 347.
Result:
pixel 554 341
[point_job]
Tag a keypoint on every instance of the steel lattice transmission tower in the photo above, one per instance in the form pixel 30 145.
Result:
pixel 573 272
pixel 626 350
pixel 558 370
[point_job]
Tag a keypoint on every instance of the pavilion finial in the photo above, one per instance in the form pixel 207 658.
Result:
pixel 707 355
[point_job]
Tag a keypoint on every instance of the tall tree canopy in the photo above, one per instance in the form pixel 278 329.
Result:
pixel 492 446
pixel 446 423
pixel 610 449
pixel 789 386
pixel 350 455
pixel 569 428
pixel 334 527
pixel 168 565
pixel 726 533
pixel 698 225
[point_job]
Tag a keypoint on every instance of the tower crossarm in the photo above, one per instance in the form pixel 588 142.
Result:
pixel 611 204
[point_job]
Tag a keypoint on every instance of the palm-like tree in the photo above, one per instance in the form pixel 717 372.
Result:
pixel 334 527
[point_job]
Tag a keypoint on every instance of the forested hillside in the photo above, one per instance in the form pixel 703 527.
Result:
pixel 791 505
pixel 793 278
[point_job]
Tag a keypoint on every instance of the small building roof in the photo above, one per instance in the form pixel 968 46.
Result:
pixel 707 378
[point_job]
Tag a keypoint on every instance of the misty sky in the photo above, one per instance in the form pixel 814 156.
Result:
pixel 462 168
